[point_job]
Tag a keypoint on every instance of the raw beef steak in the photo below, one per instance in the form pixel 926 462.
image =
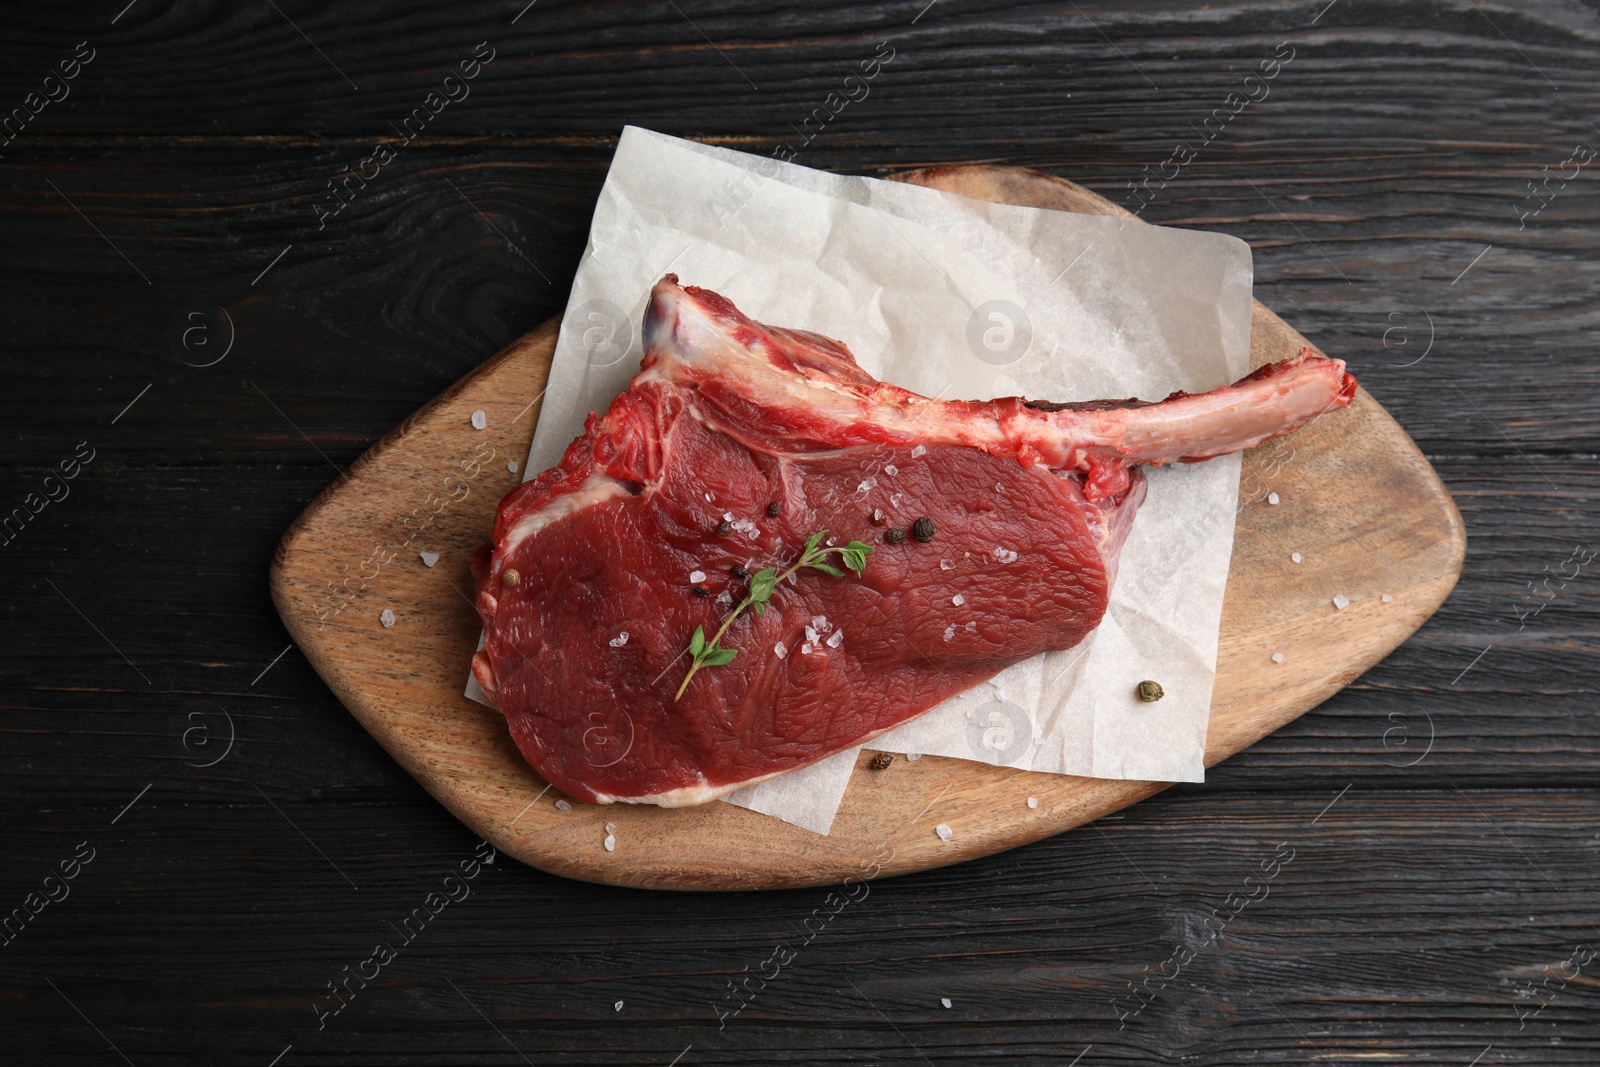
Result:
pixel 733 444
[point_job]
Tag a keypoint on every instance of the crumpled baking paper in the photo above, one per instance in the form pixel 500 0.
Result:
pixel 958 299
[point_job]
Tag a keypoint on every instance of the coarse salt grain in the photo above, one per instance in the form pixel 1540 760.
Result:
pixel 619 640
pixel 894 500
pixel 479 420
pixel 971 627
pixel 913 756
pixel 870 483
pixel 611 843
pixel 1387 598
pixel 1341 601
pixel 617 1006
pixel 821 624
pixel 562 805
pixel 837 639
pixel 1033 802
pixel 945 1001
pixel 958 600
pixel 1277 657
pixel 891 470
pixel 944 832
pixel 918 452
pixel 511 465
pixel 946 565
pixel 806 648
pixel 1272 498
pixel 429 558
pixel 1294 557
pixel 779 650
pixel 387 618
pixel 1005 555
pixel 697 576
pixel 811 634
pixel 950 632
pixel 611 827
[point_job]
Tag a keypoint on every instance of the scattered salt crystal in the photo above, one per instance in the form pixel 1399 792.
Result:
pixel 727 516
pixel 1341 601
pixel 1272 498
pixel 999 488
pixel 891 470
pixel 611 827
pixel 611 843
pixel 697 576
pixel 708 498
pixel 971 627
pixel 870 483
pixel 946 565
pixel 895 499
pixel 724 598
pixel 913 756
pixel 511 465
pixel 1005 555
pixel 811 634
pixel 387 618
pixel 479 420
pixel 821 624
pixel 806 648
pixel 779 650
pixel 1387 598
pixel 562 805
pixel 950 632
pixel 1294 557
pixel 958 600
pixel 429 558
pixel 945 1001
pixel 1277 657
pixel 617 1006
pixel 944 832
pixel 619 640
pixel 837 639
pixel 1033 802
pixel 918 452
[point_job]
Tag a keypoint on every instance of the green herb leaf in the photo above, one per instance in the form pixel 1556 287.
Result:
pixel 705 653
pixel 761 584
pixel 716 657
pixel 854 556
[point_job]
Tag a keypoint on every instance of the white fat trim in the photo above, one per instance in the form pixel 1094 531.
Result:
pixel 598 487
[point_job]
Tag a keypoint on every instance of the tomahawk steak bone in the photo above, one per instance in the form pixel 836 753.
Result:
pixel 731 446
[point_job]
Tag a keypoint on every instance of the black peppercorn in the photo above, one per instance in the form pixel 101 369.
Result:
pixel 739 572
pixel 701 590
pixel 895 536
pixel 881 760
pixel 773 509
pixel 724 528
pixel 922 529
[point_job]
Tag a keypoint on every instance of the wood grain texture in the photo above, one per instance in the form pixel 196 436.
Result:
pixel 1371 515
pixel 1392 151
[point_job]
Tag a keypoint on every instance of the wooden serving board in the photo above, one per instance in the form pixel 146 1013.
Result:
pixel 1371 517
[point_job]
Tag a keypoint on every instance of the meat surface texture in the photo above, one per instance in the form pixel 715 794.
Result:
pixel 736 442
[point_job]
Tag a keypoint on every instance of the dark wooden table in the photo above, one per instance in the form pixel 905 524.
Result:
pixel 1418 181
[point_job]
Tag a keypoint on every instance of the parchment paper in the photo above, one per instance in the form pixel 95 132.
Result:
pixel 1090 307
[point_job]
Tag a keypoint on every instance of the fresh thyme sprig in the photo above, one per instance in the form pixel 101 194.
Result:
pixel 711 654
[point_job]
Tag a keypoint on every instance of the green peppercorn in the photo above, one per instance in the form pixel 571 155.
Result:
pixel 1149 691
